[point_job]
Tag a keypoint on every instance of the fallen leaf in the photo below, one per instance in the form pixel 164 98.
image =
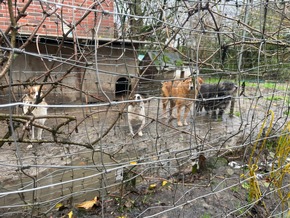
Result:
pixel 128 204
pixel 59 205
pixel 70 214
pixel 164 182
pixel 88 204
pixel 152 186
pixel 133 162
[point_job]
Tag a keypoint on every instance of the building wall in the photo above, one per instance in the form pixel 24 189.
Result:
pixel 70 12
pixel 182 73
pixel 113 62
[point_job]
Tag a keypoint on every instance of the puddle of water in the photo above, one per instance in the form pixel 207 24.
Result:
pixel 52 186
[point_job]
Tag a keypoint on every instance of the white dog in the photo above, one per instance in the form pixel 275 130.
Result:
pixel 136 112
pixel 30 98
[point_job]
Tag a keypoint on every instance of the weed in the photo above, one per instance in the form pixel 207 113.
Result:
pixel 241 210
pixel 237 113
pixel 206 215
pixel 235 189
pixel 254 187
pixel 145 199
pixel 271 144
pixel 287 113
pixel 283 166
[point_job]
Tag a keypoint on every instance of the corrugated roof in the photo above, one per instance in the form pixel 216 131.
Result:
pixel 165 59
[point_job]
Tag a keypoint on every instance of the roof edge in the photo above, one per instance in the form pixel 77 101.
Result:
pixel 100 39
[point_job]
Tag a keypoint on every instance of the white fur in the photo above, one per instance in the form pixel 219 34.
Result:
pixel 136 112
pixel 30 98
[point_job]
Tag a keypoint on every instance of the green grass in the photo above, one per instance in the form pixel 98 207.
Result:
pixel 266 85
pixel 275 98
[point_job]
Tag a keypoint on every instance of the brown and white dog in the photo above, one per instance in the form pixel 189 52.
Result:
pixel 30 98
pixel 136 112
pixel 180 90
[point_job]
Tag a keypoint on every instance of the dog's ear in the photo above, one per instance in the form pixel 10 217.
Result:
pixel 143 97
pixel 131 98
pixel 221 85
pixel 200 80
pixel 27 89
pixel 26 82
pixel 44 88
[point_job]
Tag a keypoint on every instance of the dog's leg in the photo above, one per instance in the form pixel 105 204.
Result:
pixel 141 127
pixel 198 106
pixel 40 130
pixel 39 133
pixel 164 105
pixel 186 111
pixel 32 132
pixel 172 105
pixel 213 114
pixel 179 123
pixel 130 125
pixel 220 114
pixel 131 129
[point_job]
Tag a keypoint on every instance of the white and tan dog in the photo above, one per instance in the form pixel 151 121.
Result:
pixel 30 98
pixel 136 112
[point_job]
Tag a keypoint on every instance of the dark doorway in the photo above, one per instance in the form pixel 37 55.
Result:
pixel 122 87
pixel 182 74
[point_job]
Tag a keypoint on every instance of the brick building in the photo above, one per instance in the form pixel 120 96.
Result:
pixel 55 18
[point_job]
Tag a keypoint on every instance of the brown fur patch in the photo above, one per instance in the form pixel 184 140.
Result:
pixel 179 90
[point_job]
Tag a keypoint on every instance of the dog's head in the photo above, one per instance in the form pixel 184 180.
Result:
pixel 34 92
pixel 188 83
pixel 138 99
pixel 228 88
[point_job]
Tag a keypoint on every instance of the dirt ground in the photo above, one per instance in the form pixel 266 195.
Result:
pixel 164 153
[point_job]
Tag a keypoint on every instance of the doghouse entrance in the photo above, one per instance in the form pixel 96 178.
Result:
pixel 122 87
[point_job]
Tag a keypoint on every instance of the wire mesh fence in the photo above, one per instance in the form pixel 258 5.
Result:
pixel 231 160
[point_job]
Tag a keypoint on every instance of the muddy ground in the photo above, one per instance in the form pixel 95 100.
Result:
pixel 164 153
